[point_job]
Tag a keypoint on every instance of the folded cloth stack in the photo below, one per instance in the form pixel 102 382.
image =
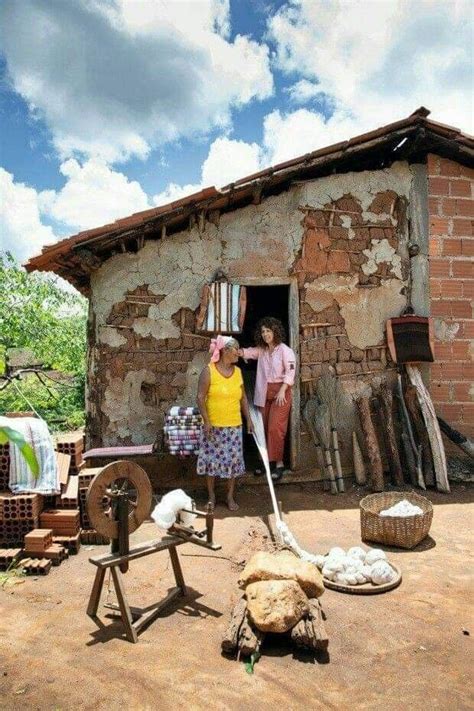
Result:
pixel 183 430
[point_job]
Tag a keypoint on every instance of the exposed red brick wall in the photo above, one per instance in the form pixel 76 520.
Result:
pixel 451 210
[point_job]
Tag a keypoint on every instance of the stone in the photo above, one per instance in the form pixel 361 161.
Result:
pixel 283 565
pixel 276 605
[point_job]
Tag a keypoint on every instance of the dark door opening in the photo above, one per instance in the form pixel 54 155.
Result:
pixel 261 301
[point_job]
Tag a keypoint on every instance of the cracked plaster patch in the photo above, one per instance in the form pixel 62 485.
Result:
pixel 364 311
pixel 381 252
pixel 111 337
pixel 128 415
pixel 445 332
pixel 363 186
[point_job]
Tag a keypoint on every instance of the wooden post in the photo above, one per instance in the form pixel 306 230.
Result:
pixel 386 404
pixel 411 399
pixel 373 451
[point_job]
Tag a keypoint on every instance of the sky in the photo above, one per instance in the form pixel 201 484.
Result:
pixel 109 107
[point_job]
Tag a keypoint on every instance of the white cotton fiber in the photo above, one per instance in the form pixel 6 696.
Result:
pixel 382 573
pixel 374 555
pixel 336 552
pixel 166 512
pixel 404 508
pixel 356 552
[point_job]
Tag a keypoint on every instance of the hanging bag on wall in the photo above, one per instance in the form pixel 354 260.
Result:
pixel 222 308
pixel 410 339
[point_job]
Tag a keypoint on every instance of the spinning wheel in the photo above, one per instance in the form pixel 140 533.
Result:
pixel 119 499
pixel 116 481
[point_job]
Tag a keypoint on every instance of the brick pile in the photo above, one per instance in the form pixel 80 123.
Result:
pixel 74 446
pixel 19 514
pixel 451 209
pixel 63 522
pixel 4 466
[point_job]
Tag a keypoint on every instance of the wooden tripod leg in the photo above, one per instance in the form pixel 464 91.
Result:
pixel 95 592
pixel 124 606
pixel 178 573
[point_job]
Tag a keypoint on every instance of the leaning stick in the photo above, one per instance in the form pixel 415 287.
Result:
pixel 373 450
pixel 386 404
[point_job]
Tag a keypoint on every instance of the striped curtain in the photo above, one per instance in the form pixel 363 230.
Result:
pixel 222 308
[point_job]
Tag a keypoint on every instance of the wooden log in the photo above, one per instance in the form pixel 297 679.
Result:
pixel 316 614
pixel 310 632
pixel 386 404
pixel 406 435
pixel 250 638
pixel 413 406
pixel 373 451
pixel 467 445
pixel 359 464
pixel 434 433
pixel 416 474
pixel 231 635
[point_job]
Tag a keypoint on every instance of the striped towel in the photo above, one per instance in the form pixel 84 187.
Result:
pixel 36 433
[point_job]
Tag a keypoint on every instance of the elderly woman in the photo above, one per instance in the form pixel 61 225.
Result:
pixel 222 400
pixel 276 370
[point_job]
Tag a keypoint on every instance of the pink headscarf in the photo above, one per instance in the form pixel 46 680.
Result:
pixel 217 344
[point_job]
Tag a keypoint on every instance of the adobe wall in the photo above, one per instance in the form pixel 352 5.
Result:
pixel 342 238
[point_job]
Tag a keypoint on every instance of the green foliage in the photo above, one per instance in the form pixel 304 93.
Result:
pixel 8 434
pixel 37 314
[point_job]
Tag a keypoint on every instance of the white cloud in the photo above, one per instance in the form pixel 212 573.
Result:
pixel 303 91
pixel 378 61
pixel 21 230
pixel 115 79
pixel 227 161
pixel 93 195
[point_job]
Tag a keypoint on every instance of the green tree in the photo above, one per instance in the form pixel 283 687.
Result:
pixel 37 314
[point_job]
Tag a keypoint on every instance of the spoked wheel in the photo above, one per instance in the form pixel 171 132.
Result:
pixel 118 476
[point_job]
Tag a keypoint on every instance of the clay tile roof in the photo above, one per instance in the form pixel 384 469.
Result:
pixel 66 259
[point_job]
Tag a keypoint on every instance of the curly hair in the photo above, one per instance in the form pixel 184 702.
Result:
pixel 274 325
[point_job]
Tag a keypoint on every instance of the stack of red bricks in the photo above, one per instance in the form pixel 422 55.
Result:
pixel 451 208
pixel 72 444
pixel 19 514
pixel 4 466
pixel 39 544
pixel 88 534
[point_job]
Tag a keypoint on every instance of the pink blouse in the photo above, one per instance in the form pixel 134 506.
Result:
pixel 276 367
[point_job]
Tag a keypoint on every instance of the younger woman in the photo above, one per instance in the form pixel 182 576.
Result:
pixel 276 369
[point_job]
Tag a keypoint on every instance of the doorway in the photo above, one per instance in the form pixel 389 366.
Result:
pixel 263 300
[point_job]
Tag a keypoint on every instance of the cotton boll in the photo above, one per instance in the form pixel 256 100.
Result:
pixel 382 573
pixel 356 552
pixel 336 552
pixel 366 571
pixel 374 555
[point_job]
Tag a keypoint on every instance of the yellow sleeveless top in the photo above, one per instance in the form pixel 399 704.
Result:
pixel 223 398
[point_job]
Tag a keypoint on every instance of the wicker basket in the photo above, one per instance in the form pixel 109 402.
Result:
pixel 398 531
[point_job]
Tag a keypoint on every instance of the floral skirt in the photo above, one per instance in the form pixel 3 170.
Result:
pixel 221 454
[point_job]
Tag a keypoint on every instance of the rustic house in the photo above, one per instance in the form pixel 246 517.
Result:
pixel 333 243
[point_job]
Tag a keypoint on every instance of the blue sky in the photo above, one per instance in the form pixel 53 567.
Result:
pixel 112 106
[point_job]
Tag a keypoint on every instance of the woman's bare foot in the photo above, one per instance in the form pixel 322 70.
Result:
pixel 232 504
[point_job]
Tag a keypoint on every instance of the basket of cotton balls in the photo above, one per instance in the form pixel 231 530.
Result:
pixel 358 571
pixel 400 519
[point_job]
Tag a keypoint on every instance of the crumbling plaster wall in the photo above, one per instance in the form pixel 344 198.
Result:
pixel 155 345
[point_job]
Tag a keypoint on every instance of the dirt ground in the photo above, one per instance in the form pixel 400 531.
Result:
pixel 406 649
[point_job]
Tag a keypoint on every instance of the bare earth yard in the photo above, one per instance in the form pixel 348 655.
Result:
pixel 402 650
